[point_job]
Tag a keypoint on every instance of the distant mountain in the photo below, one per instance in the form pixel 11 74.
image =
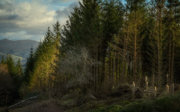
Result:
pixel 20 48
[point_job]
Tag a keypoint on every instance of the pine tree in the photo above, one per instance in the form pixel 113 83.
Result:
pixel 78 35
pixel 19 70
pixel 136 16
pixel 29 67
pixel 112 24
pixel 159 5
pixel 45 60
pixel 177 42
pixel 2 60
pixel 11 65
pixel 148 55
pixel 171 30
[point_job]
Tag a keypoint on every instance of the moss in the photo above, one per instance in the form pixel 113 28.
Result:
pixel 113 108
pixel 164 104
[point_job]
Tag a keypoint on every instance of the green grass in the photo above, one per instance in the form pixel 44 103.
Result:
pixel 113 108
pixel 163 104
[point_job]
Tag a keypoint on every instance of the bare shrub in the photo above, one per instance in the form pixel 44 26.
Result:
pixel 75 69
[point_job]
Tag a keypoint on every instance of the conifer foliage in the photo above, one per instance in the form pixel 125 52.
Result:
pixel 104 44
pixel 41 64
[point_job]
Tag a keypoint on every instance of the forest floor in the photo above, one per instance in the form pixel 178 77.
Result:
pixel 69 103
pixel 39 106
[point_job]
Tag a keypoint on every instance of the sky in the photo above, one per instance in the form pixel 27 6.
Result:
pixel 29 19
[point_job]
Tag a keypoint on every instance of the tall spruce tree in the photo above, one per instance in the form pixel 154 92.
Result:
pixel 159 6
pixel 136 16
pixel 29 67
pixel 112 12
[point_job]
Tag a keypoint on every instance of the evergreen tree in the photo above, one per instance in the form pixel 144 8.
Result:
pixel 159 6
pixel 171 31
pixel 112 24
pixel 29 67
pixel 136 17
pixel 19 70
pixel 45 61
pixel 11 65
pixel 125 43
pixel 2 60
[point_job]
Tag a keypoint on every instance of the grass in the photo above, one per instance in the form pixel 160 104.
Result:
pixel 113 108
pixel 163 104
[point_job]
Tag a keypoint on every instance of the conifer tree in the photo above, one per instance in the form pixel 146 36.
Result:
pixel 19 70
pixel 159 6
pixel 29 67
pixel 2 60
pixel 11 65
pixel 45 60
pixel 171 31
pixel 136 10
pixel 112 24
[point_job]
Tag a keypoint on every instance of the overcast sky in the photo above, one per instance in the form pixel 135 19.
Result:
pixel 29 19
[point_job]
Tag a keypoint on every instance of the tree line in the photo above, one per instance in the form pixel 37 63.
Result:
pixel 11 76
pixel 129 41
pixel 106 44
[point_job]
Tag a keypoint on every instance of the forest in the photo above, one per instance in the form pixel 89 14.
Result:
pixel 115 51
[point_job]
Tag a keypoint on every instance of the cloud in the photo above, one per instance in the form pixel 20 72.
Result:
pixel 20 19
pixel 63 14
pixel 31 17
pixel 63 1
pixel 19 35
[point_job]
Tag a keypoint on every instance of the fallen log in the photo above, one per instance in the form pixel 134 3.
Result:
pixel 23 102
